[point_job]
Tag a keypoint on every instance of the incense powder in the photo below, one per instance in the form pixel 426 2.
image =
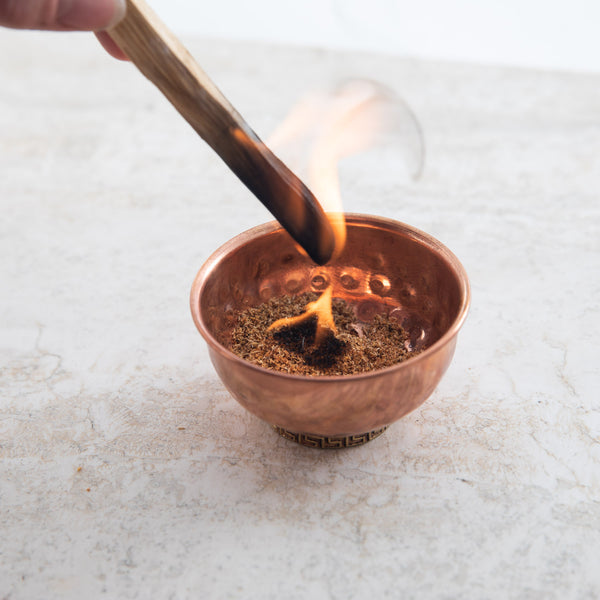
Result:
pixel 356 348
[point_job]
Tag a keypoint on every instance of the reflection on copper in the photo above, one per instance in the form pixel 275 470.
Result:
pixel 428 294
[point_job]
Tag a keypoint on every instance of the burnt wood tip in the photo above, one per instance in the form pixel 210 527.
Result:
pixel 286 197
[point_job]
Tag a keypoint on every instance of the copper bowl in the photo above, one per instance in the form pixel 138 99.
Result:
pixel 386 267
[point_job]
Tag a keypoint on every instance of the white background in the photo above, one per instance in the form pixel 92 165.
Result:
pixel 551 34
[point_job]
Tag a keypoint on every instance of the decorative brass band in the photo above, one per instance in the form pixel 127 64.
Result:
pixel 329 441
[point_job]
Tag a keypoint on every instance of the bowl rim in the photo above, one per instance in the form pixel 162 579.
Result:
pixel 351 218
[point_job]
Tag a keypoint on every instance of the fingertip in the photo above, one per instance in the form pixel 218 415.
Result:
pixel 110 45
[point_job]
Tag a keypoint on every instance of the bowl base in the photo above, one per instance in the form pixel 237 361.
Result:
pixel 329 442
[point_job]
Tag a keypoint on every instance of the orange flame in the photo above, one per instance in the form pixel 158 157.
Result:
pixel 321 309
pixel 331 126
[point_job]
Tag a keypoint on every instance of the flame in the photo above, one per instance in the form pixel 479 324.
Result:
pixel 321 309
pixel 328 127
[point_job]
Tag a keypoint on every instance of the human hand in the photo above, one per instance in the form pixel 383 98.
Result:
pixel 66 15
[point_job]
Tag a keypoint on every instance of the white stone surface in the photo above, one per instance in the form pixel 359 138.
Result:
pixel 127 471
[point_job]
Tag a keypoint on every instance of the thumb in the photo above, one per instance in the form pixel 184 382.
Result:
pixel 61 15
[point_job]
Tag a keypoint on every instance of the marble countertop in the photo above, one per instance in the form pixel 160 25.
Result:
pixel 127 470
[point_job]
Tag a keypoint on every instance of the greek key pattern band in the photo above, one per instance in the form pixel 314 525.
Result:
pixel 330 441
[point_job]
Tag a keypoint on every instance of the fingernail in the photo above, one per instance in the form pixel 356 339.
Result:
pixel 89 15
pixel 118 14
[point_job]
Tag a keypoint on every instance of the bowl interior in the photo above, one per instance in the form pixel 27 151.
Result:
pixel 386 268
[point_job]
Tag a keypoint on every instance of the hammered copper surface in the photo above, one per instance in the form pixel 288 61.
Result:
pixel 386 267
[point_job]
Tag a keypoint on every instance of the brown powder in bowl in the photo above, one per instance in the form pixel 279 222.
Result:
pixel 356 348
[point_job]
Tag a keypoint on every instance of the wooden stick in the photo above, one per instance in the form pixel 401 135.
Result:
pixel 159 55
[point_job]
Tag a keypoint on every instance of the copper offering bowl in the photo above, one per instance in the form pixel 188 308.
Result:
pixel 386 267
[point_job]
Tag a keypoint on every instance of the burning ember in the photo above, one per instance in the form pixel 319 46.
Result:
pixel 355 117
pixel 355 348
pixel 321 309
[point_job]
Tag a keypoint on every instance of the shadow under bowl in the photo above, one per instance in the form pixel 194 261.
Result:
pixel 386 268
